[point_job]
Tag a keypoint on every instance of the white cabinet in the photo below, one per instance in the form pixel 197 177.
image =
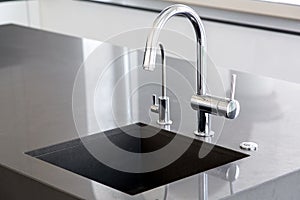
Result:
pixel 256 51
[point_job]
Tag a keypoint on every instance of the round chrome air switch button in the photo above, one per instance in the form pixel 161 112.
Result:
pixel 249 146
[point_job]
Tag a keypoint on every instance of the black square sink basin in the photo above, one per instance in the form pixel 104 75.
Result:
pixel 77 157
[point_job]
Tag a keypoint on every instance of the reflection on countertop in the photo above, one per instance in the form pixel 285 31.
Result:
pixel 44 83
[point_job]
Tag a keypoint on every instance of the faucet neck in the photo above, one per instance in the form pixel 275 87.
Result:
pixel 152 41
pixel 151 47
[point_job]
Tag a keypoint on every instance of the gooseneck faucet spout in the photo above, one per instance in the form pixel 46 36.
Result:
pixel 203 103
pixel 152 44
pixel 161 20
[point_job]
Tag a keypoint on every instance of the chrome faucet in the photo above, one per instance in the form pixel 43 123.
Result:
pixel 163 105
pixel 202 102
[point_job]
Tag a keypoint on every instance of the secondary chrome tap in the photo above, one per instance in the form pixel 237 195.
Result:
pixel 163 105
pixel 202 102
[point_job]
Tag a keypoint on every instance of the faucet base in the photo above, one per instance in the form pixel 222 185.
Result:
pixel 162 122
pixel 203 134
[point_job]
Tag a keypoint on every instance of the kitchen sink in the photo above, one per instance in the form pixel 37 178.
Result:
pixel 75 156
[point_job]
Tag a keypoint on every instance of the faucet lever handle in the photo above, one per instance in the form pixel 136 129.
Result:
pixel 154 107
pixel 154 100
pixel 233 84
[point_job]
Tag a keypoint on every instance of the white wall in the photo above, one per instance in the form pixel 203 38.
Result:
pixel 13 12
pixel 255 51
pixel 33 10
pixel 24 13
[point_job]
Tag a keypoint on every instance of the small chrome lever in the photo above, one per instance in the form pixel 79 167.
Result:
pixel 233 83
pixel 233 106
pixel 154 99
pixel 162 107
pixel 154 106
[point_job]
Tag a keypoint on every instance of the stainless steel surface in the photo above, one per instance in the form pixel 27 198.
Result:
pixel 201 102
pixel 163 105
pixel 249 146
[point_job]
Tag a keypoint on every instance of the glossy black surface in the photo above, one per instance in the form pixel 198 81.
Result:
pixel 73 156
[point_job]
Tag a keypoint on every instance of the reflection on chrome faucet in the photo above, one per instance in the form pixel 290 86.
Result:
pixel 203 186
pixel 229 172
pixel 202 102
pixel 166 192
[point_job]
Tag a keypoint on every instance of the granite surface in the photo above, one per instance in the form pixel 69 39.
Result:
pixel 52 91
